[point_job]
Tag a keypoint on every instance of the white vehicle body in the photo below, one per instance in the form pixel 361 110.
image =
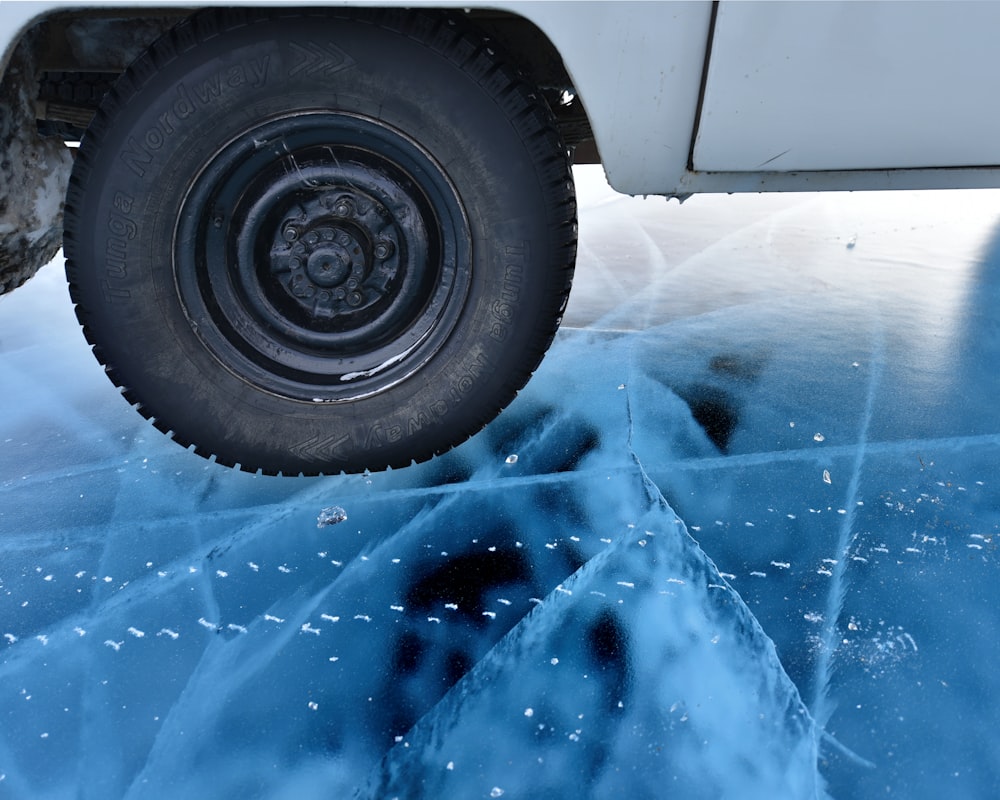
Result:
pixel 796 95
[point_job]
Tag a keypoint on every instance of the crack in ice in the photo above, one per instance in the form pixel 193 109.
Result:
pixel 822 705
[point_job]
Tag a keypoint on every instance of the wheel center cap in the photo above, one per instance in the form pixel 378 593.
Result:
pixel 329 265
pixel 337 254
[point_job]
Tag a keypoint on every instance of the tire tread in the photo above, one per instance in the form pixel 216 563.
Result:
pixel 448 35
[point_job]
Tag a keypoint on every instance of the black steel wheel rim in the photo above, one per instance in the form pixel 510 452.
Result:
pixel 322 257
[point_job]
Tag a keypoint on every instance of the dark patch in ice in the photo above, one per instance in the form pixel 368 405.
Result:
pixel 464 579
pixel 714 410
pixel 448 471
pixel 737 366
pixel 570 447
pixel 608 645
pixel 507 434
pixel 457 664
pixel 410 649
pixel 549 711
pixel 714 398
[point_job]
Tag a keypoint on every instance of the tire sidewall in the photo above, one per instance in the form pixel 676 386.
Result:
pixel 214 92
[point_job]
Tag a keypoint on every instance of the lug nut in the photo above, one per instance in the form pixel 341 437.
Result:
pixel 290 234
pixel 383 250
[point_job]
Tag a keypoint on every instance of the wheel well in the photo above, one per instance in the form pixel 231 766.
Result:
pixel 78 54
pixel 535 55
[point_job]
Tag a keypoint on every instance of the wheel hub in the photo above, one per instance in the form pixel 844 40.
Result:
pixel 336 255
pixel 323 257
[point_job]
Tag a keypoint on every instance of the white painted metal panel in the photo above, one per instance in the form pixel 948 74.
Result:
pixel 637 67
pixel 851 85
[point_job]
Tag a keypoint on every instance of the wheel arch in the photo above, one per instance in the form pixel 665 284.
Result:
pixel 105 40
pixel 60 60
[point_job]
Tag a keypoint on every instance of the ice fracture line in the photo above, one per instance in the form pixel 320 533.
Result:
pixel 822 706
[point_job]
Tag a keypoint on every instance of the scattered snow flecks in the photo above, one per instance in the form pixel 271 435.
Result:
pixel 758 719
pixel 721 383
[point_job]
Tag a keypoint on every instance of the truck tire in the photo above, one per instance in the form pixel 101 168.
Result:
pixel 317 242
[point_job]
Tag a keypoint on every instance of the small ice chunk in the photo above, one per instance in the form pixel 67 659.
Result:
pixel 819 437
pixel 330 515
pixel 826 476
pixel 511 459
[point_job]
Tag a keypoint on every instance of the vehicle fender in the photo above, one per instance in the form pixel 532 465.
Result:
pixel 637 69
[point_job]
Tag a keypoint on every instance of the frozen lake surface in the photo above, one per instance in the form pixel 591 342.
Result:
pixel 737 538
